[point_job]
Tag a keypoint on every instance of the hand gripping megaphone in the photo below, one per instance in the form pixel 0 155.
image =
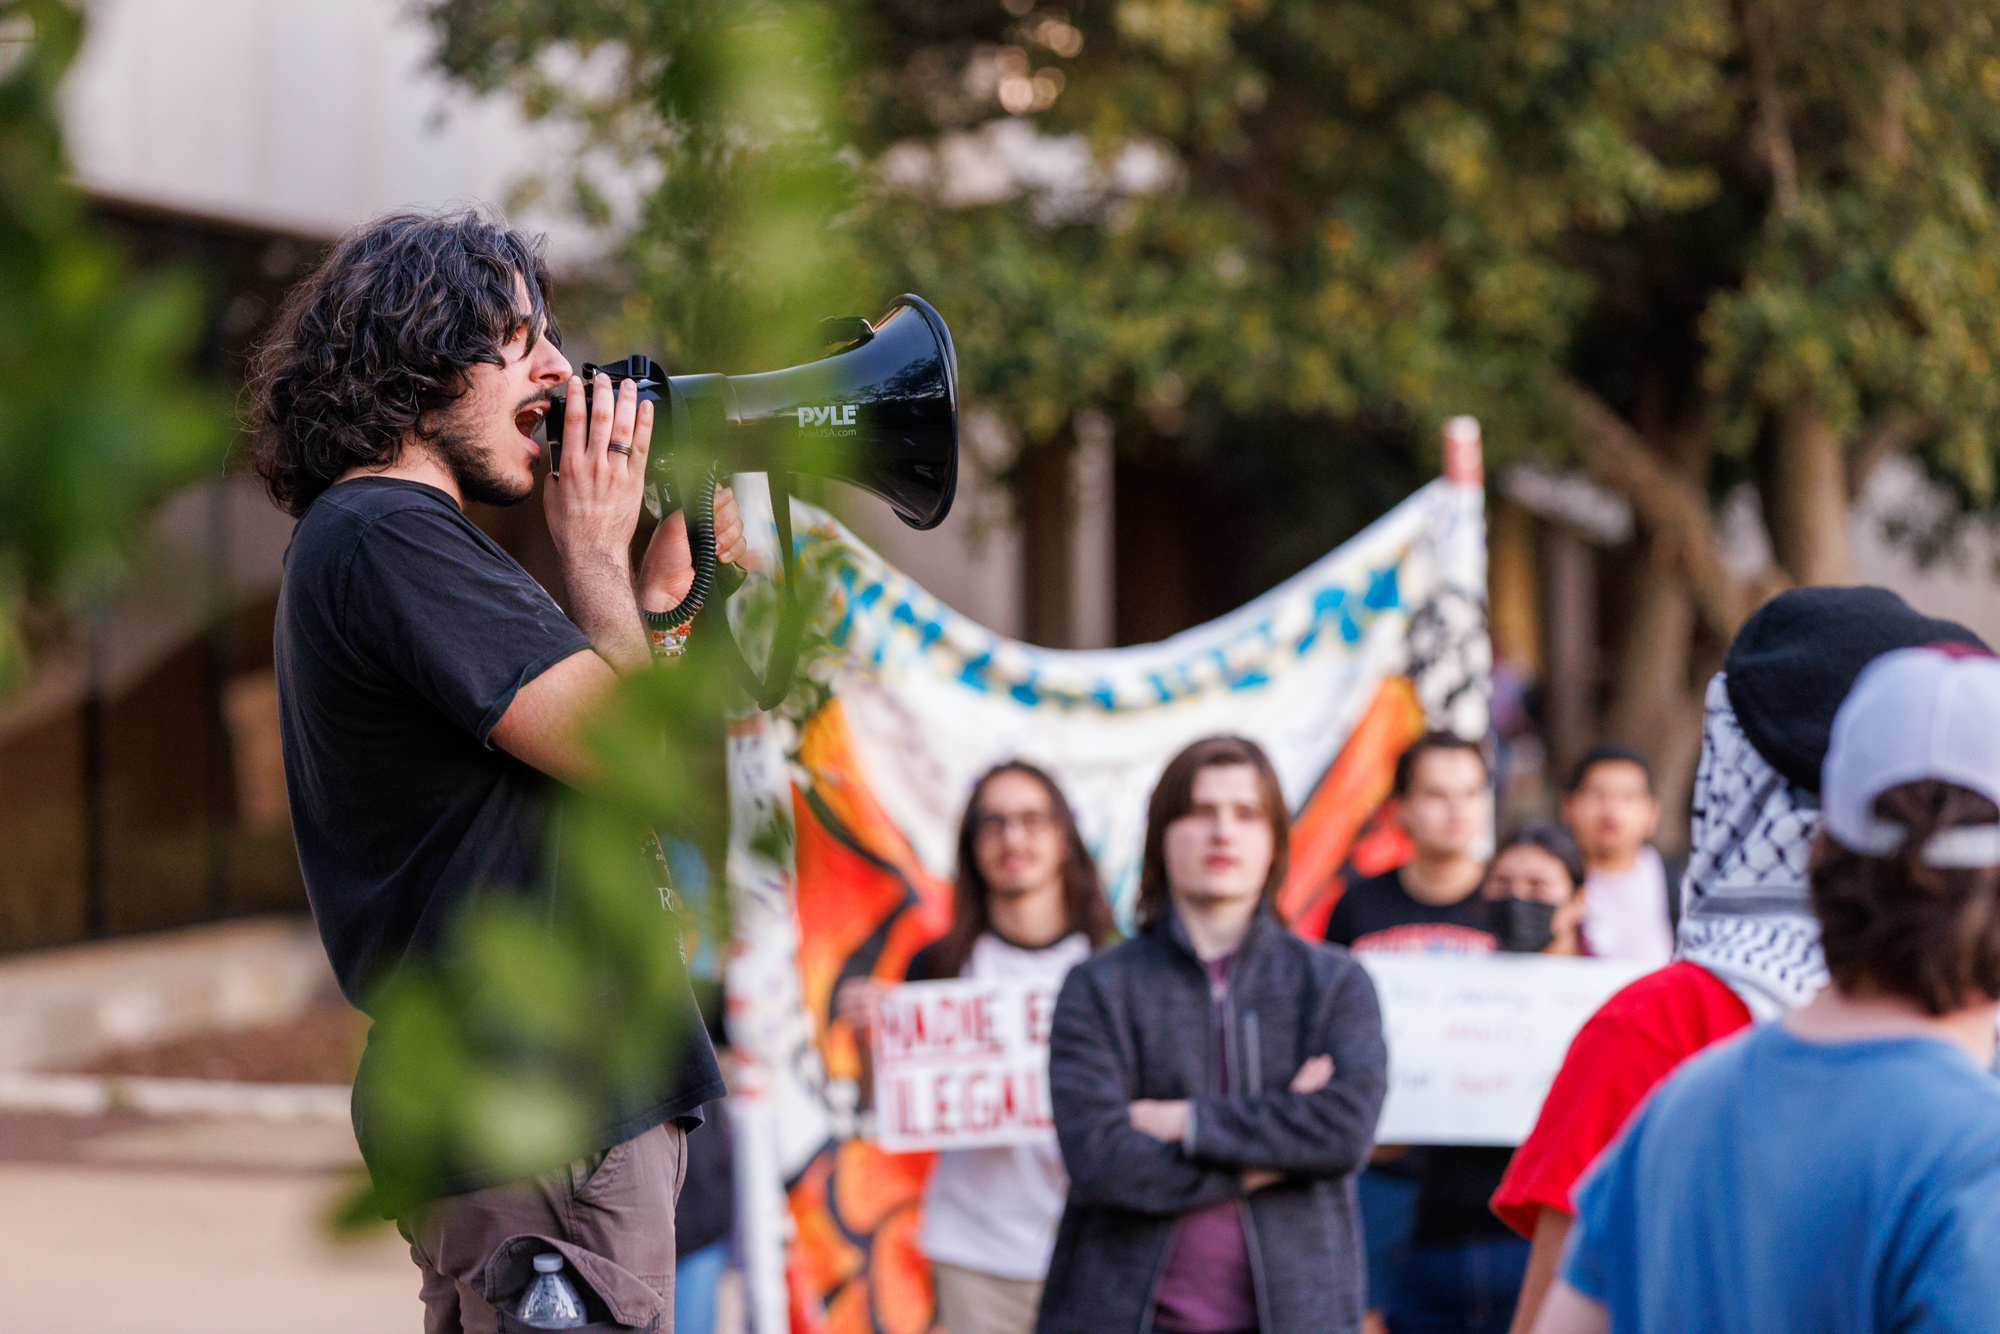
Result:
pixel 879 411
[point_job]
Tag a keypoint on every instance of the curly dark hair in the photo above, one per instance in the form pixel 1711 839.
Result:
pixel 374 345
pixel 1926 933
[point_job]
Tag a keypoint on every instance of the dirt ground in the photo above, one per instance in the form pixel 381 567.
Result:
pixel 189 1227
pixel 322 1046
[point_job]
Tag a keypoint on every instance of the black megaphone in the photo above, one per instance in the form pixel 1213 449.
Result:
pixel 879 411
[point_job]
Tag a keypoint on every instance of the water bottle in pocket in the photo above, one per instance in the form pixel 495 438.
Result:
pixel 551 1301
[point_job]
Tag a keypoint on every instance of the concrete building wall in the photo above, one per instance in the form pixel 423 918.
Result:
pixel 299 117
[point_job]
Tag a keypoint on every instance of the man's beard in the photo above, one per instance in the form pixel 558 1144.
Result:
pixel 472 468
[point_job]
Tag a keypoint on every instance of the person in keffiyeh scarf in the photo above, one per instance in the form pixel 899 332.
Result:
pixel 1748 944
pixel 1745 915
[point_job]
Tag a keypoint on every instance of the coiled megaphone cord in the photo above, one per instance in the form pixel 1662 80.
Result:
pixel 700 509
pixel 767 692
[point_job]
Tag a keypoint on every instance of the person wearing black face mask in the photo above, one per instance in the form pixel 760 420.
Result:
pixel 1464 1267
pixel 1535 887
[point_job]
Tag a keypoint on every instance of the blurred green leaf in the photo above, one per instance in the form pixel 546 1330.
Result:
pixel 100 411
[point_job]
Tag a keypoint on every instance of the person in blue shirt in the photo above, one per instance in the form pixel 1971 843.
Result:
pixel 1838 1170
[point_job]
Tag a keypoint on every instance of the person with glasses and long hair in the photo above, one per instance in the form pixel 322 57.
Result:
pixel 1028 906
pixel 1216 1083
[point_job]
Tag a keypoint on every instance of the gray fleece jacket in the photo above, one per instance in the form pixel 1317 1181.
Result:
pixel 1137 1022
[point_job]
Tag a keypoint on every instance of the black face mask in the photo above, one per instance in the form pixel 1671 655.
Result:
pixel 1523 925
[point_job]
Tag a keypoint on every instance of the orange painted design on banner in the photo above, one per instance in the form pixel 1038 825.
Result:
pixel 823 1255
pixel 904 1301
pixel 869 1185
pixel 857 875
pixel 1384 844
pixel 863 899
pixel 851 1311
pixel 826 751
pixel 1353 790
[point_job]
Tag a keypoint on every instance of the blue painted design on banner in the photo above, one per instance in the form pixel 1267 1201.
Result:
pixel 1244 661
pixel 1382 593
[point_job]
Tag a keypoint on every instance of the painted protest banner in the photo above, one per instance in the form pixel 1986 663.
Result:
pixel 864 775
pixel 963 1065
pixel 1475 1041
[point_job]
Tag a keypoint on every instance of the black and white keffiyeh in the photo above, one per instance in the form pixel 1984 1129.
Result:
pixel 1746 914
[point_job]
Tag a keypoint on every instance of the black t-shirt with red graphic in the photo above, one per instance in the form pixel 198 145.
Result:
pixel 1379 914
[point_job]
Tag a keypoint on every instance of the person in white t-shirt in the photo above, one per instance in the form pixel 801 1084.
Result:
pixel 1628 891
pixel 1029 905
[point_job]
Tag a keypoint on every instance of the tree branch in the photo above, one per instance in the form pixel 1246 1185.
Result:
pixel 1673 512
pixel 1773 133
pixel 1891 432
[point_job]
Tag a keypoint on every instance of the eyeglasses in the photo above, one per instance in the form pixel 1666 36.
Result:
pixel 1032 823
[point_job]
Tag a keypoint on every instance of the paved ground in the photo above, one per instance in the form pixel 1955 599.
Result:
pixel 188 1227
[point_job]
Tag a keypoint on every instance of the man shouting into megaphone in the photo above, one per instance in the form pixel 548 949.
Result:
pixel 428 687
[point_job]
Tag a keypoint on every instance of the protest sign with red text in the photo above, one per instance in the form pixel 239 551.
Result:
pixel 963 1065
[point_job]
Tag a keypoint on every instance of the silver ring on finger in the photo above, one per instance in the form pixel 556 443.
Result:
pixel 617 448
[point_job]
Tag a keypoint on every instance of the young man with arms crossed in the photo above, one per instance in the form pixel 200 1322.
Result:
pixel 1216 1083
pixel 429 689
pixel 1839 1170
pixel 1629 909
pixel 1029 906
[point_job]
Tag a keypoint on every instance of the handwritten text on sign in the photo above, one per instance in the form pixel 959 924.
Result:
pixel 1474 1043
pixel 963 1065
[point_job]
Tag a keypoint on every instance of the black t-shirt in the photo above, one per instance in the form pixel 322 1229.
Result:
pixel 403 633
pixel 1379 914
pixel 1455 1185
pixel 1453 1182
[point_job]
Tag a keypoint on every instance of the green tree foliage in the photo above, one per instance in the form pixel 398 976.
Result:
pixel 100 413
pixel 1730 221
pixel 1740 238
pixel 713 141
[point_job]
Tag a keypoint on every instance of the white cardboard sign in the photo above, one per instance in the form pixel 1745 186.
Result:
pixel 1475 1041
pixel 963 1065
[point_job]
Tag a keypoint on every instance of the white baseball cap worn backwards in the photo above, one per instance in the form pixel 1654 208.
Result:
pixel 1915 714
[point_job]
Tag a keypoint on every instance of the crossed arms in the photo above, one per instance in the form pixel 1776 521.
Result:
pixel 1173 1157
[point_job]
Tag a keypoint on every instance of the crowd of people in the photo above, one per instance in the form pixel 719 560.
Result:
pixel 1216 1080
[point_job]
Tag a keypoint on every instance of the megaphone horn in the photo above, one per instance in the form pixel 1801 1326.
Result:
pixel 879 412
